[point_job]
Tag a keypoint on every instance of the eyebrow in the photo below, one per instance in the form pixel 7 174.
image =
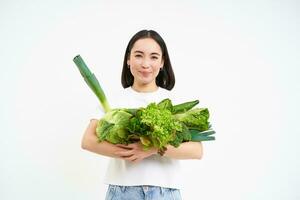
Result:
pixel 154 53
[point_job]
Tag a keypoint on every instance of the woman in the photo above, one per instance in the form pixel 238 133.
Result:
pixel 134 173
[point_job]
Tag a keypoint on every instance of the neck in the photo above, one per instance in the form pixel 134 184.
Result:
pixel 145 88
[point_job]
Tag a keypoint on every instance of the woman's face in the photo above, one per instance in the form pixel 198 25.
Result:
pixel 145 61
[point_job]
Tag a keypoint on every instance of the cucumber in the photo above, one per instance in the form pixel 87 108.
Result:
pixel 183 107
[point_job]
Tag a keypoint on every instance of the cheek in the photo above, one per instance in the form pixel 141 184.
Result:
pixel 135 65
pixel 157 66
pixel 134 70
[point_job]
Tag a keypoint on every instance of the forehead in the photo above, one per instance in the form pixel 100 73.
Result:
pixel 147 45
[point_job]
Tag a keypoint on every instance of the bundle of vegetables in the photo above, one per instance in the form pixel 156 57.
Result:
pixel 156 125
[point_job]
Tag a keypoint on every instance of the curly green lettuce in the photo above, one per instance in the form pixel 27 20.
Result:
pixel 156 125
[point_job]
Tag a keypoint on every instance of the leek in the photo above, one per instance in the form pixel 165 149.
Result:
pixel 92 82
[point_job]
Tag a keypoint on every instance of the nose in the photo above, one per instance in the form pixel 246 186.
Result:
pixel 146 63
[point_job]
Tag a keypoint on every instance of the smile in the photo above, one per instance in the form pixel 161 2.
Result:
pixel 143 73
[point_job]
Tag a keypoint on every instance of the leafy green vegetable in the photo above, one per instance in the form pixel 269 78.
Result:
pixel 183 107
pixel 113 126
pixel 195 119
pixel 159 126
pixel 156 123
pixel 92 81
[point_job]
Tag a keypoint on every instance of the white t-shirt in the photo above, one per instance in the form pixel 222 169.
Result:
pixel 155 170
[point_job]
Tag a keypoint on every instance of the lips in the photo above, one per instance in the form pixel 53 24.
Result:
pixel 145 73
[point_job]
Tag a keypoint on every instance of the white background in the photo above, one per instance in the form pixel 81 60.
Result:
pixel 241 59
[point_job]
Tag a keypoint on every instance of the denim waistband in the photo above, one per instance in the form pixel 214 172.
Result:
pixel 144 188
pixel 117 192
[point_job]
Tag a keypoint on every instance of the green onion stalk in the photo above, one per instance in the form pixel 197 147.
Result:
pixel 92 82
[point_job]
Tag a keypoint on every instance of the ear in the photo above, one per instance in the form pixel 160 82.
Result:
pixel 128 61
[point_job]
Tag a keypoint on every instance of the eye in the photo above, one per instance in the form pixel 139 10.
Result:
pixel 154 57
pixel 138 56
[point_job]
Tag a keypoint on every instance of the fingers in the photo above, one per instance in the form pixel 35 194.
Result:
pixel 124 153
pixel 124 146
pixel 129 146
pixel 127 155
pixel 132 152
pixel 137 160
pixel 133 159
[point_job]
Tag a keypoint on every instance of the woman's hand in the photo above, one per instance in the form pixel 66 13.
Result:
pixel 134 152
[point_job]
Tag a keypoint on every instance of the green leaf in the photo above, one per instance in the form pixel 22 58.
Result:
pixel 183 107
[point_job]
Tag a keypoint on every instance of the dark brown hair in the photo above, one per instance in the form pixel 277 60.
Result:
pixel 166 77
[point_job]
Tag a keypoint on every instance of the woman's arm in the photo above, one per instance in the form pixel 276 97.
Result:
pixel 187 150
pixel 132 152
pixel 90 142
pixel 135 152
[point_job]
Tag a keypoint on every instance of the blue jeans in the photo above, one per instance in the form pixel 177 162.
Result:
pixel 145 192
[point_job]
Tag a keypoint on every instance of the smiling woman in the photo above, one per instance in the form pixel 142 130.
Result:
pixel 133 172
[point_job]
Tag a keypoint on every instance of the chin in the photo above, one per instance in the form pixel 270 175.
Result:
pixel 146 80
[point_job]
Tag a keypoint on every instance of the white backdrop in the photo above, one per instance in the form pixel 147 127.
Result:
pixel 239 58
